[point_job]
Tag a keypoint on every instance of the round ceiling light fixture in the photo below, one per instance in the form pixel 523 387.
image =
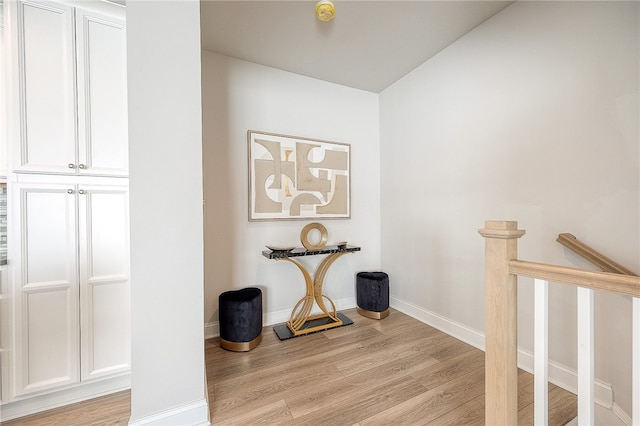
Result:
pixel 325 10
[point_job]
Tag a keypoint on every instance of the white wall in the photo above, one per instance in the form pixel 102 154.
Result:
pixel 165 139
pixel 238 96
pixel 532 116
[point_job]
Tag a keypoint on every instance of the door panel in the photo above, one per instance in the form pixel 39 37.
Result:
pixel 46 287
pixel 49 339
pixel 47 83
pixel 49 236
pixel 102 95
pixel 104 281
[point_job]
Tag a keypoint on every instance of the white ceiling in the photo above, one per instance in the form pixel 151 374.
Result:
pixel 368 45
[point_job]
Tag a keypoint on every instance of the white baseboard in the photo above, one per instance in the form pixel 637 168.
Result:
pixel 47 401
pixel 452 328
pixel 605 417
pixel 211 329
pixel 195 413
pixel 621 415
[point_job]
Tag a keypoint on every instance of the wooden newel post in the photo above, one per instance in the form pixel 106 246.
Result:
pixel 501 324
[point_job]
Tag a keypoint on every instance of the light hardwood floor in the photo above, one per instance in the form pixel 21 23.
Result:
pixel 395 371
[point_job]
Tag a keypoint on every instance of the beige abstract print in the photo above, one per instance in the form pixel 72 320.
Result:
pixel 297 178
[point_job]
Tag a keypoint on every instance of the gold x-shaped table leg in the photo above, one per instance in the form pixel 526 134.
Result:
pixel 302 311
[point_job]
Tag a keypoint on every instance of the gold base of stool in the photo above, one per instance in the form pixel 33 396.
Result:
pixel 371 314
pixel 240 346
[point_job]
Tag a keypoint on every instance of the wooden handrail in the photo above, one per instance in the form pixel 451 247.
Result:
pixel 613 282
pixel 593 256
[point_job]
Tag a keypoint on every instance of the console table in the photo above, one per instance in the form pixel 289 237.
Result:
pixel 301 321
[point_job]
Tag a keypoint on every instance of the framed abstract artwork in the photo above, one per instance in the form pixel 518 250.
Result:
pixel 295 178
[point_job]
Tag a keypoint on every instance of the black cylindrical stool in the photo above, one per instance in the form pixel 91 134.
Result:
pixel 372 294
pixel 240 319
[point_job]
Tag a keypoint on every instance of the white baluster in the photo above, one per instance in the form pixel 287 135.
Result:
pixel 541 353
pixel 586 414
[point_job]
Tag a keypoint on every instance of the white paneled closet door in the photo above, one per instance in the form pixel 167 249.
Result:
pixel 102 94
pixel 46 288
pixel 45 71
pixel 104 280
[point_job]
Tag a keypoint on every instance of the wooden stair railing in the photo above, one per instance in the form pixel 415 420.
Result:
pixel 593 256
pixel 607 265
pixel 501 270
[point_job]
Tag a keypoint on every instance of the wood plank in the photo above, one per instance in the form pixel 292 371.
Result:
pixel 270 414
pixel 429 405
pixel 470 413
pixel 451 369
pixel 350 408
pixel 352 388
